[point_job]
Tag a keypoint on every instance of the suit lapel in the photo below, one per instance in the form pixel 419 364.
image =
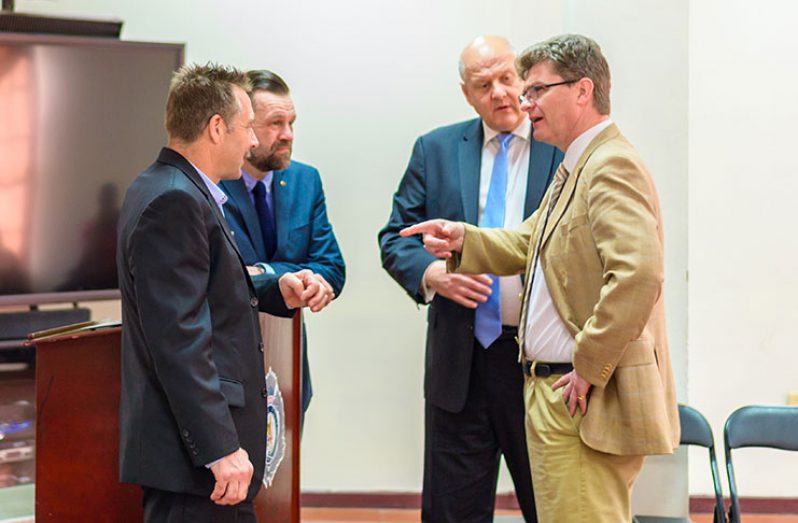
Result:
pixel 540 159
pixel 281 190
pixel 470 156
pixel 570 184
pixel 242 204
pixel 562 203
pixel 176 160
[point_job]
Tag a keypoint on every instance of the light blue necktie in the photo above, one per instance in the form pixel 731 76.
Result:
pixel 488 320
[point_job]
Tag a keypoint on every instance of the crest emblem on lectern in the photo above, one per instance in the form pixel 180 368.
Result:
pixel 275 427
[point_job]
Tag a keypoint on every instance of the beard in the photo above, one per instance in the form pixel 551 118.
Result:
pixel 271 161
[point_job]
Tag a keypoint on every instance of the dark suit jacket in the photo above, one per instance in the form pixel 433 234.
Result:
pixel 442 181
pixel 305 238
pixel 192 374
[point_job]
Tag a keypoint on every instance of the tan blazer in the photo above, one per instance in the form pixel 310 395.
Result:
pixel 603 262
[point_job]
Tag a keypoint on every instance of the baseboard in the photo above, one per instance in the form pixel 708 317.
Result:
pixel 400 500
pixel 706 504
pixel 507 501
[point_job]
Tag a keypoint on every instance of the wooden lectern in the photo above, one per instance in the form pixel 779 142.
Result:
pixel 77 429
pixel 282 353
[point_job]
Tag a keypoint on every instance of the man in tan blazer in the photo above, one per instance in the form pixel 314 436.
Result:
pixel 599 390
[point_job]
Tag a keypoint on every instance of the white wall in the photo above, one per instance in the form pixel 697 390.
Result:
pixel 367 78
pixel 742 244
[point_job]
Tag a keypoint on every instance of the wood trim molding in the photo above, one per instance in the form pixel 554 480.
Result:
pixel 507 501
pixel 748 505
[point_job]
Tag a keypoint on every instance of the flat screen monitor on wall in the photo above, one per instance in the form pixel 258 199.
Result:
pixel 79 118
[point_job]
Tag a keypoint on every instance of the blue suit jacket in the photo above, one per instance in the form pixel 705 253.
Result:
pixel 442 181
pixel 305 238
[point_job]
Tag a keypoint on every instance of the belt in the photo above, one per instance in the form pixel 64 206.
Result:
pixel 509 332
pixel 544 370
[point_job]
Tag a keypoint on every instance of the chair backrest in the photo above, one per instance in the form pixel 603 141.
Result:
pixel 756 426
pixel 696 431
pixel 695 428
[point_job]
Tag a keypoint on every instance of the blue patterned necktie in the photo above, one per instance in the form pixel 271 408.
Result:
pixel 488 320
pixel 266 218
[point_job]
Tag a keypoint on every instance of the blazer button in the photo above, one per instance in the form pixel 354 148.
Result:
pixel 260 346
pixel 264 392
pixel 253 301
pixel 232 233
pixel 195 452
pixel 186 433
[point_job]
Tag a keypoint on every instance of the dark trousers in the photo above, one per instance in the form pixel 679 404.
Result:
pixel 161 506
pixel 462 450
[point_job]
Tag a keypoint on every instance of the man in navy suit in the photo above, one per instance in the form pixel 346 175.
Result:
pixel 192 413
pixel 277 208
pixel 489 168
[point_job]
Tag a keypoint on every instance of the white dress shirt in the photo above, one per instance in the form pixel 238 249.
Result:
pixel 510 287
pixel 547 338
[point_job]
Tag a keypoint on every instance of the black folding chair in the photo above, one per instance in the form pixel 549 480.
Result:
pixel 695 431
pixel 754 426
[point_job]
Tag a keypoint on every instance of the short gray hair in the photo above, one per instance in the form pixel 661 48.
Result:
pixel 573 57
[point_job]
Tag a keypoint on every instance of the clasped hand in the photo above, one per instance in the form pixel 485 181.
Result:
pixel 305 289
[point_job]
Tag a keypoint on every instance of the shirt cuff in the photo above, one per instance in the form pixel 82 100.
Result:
pixel 212 463
pixel 427 293
pixel 267 269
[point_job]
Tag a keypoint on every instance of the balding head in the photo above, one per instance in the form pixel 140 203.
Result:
pixel 490 82
pixel 483 50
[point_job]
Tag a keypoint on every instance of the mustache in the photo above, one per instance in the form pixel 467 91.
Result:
pixel 270 159
pixel 278 144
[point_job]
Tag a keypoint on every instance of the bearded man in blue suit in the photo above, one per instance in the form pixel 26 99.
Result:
pixel 277 209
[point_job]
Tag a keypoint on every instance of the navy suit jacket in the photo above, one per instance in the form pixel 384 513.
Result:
pixel 192 372
pixel 442 181
pixel 305 238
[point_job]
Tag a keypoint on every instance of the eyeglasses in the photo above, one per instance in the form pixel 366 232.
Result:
pixel 534 92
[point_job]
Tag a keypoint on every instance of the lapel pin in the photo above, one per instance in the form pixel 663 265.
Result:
pixel 282 183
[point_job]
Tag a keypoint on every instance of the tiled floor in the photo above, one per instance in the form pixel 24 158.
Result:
pixel 341 515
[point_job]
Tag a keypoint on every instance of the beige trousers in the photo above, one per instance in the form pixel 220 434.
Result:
pixel 573 483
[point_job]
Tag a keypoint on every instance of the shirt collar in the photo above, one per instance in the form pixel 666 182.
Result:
pixel 522 131
pixel 216 192
pixel 250 180
pixel 578 146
